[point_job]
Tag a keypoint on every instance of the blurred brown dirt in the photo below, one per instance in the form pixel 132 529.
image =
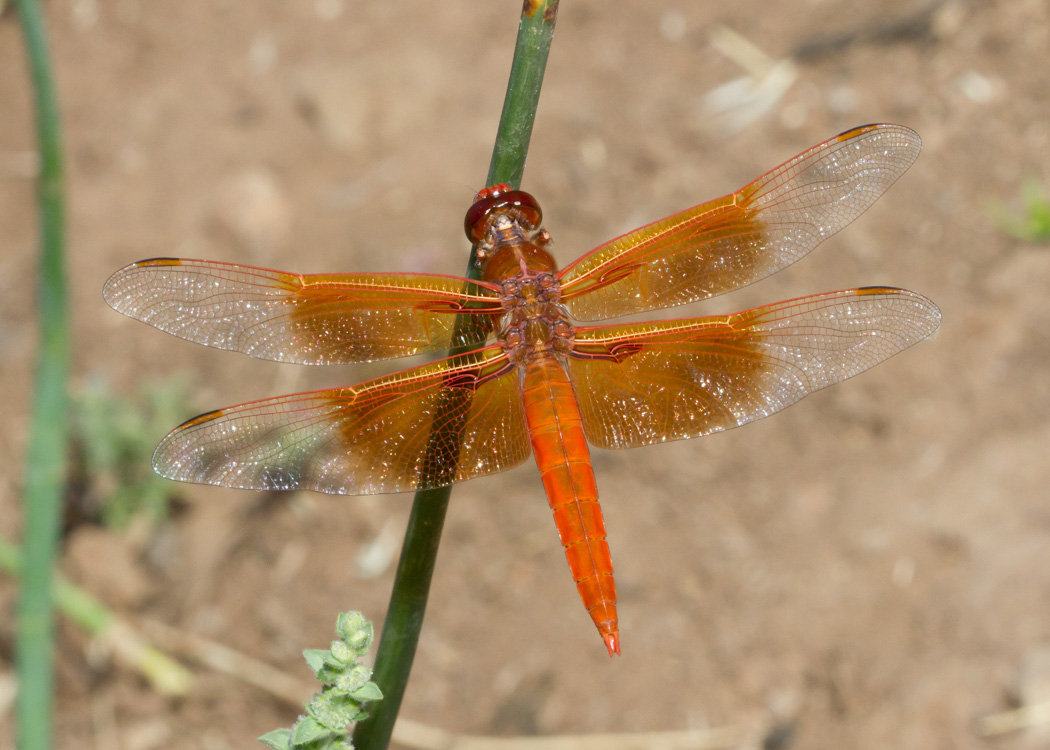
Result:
pixel 868 567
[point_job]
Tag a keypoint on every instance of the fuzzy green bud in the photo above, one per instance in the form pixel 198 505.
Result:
pixel 333 709
pixel 343 653
pixel 355 630
pixel 353 678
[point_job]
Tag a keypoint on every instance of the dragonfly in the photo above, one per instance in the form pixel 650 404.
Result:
pixel 524 376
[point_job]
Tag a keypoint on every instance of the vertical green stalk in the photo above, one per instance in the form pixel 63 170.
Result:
pixel 523 95
pixel 415 569
pixel 46 454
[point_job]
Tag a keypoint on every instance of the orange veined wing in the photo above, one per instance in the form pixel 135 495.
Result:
pixel 376 437
pixel 652 382
pixel 306 319
pixel 732 241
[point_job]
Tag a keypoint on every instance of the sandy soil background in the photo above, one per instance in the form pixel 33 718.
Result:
pixel 867 569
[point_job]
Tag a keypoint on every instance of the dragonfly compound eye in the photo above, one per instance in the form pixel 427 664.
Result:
pixel 491 202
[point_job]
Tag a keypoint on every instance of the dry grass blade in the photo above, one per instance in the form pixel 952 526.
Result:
pixel 742 101
pixel 229 661
pixel 1026 717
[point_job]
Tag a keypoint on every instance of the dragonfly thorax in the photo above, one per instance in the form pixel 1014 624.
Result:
pixel 511 251
pixel 535 322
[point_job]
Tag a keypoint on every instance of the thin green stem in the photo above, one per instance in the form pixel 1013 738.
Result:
pixel 408 600
pixel 523 94
pixel 46 454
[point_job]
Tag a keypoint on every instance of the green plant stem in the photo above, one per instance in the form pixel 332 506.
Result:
pixel 408 600
pixel 46 453
pixel 523 95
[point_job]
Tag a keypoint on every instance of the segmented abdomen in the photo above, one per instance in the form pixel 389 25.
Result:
pixel 564 462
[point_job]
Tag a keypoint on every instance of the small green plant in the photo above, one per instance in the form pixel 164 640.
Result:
pixel 113 437
pixel 1033 225
pixel 348 689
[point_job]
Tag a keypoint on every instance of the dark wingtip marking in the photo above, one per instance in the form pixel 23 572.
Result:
pixel 207 416
pixel 879 290
pixel 157 262
pixel 845 135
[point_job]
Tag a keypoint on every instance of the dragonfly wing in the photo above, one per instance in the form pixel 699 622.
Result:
pixel 653 382
pixel 430 426
pixel 306 319
pixel 732 241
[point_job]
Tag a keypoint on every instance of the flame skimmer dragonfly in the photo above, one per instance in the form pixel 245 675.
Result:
pixel 530 380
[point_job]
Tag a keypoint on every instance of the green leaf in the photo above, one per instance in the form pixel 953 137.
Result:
pixel 278 739
pixel 333 662
pixel 315 658
pixel 308 730
pixel 367 692
pixel 340 743
pixel 361 715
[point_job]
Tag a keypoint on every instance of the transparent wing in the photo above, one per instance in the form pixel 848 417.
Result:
pixel 652 382
pixel 307 319
pixel 732 241
pixel 430 426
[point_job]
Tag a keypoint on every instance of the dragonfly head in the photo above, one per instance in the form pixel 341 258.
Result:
pixel 500 202
pixel 504 224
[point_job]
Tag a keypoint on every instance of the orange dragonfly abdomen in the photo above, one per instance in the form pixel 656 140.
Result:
pixel 564 460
